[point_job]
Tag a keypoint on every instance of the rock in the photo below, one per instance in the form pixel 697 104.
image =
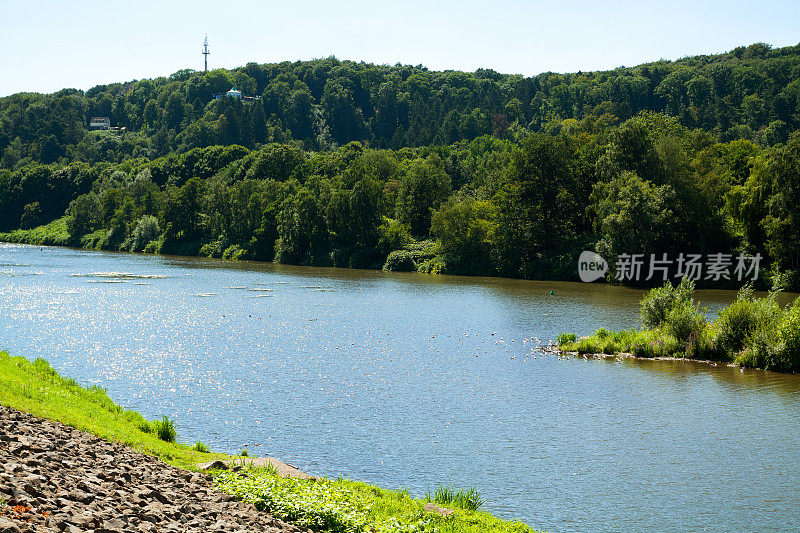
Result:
pixel 8 527
pixel 433 508
pixel 80 496
pixel 213 465
pixel 284 469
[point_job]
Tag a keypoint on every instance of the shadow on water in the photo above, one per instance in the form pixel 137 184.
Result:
pixel 729 377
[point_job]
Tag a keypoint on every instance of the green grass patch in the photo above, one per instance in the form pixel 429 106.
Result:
pixel 342 505
pixel 165 429
pixel 53 234
pixel 200 447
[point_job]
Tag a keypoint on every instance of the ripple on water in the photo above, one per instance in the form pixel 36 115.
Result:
pixel 119 275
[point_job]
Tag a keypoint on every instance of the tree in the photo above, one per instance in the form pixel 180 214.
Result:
pixel 365 213
pixel 31 216
pixel 633 216
pixel 423 188
pixel 83 213
pixel 302 231
pixel 183 210
pixel 173 111
pixel 150 115
pixel 782 224
pixel 465 230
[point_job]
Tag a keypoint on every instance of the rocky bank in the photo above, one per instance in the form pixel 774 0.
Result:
pixel 54 478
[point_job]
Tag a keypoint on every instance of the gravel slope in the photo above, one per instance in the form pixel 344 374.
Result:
pixel 56 478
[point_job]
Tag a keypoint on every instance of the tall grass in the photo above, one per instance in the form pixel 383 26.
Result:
pixel 165 429
pixel 469 499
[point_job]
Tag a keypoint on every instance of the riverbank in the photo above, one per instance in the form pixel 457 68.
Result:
pixel 105 458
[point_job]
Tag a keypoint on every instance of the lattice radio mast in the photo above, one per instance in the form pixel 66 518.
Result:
pixel 205 53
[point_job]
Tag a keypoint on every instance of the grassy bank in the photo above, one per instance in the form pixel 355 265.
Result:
pixel 754 332
pixel 321 504
pixel 36 388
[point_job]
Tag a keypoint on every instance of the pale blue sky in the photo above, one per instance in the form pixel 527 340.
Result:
pixel 50 45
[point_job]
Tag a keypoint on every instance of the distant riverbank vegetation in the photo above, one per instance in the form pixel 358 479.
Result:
pixel 754 332
pixel 358 165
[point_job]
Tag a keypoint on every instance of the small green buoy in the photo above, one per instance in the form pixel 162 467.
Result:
pixel 552 293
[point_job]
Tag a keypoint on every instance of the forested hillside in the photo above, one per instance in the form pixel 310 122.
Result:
pixel 353 164
pixel 750 93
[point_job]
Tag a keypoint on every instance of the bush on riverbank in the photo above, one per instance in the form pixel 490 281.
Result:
pixel 753 332
pixel 53 234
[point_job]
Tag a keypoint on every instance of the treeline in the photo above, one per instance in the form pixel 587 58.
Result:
pixel 519 208
pixel 751 93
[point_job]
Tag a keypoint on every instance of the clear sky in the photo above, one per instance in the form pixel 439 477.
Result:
pixel 49 45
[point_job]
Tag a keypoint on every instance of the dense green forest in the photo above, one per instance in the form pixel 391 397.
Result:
pixel 359 165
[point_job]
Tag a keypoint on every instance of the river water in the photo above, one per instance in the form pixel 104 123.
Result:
pixel 411 380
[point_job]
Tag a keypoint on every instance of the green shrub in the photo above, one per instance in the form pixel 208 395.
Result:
pixel 92 241
pixel 585 346
pixel 704 346
pixel 214 248
pixel 235 253
pixel 400 261
pixel 165 429
pixel 566 338
pixel 154 247
pixel 393 235
pixel 243 453
pixel 146 231
pixel 787 357
pixel 609 347
pixel 200 447
pixel 786 281
pixel 745 316
pixel 602 333
pixel 622 337
pixel 657 304
pixel 685 321
pixel 655 343
pixel 641 348
pixel 435 265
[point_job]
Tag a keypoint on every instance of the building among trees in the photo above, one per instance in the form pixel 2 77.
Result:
pixel 100 123
pixel 235 94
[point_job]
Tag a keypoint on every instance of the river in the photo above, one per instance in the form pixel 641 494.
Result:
pixel 411 380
